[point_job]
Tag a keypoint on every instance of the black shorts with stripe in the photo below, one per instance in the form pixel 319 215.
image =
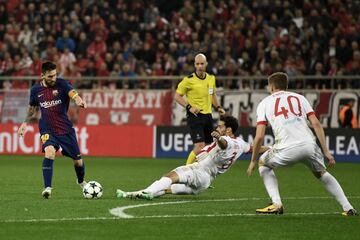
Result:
pixel 201 127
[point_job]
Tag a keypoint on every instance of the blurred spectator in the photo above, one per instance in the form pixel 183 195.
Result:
pixel 25 35
pixel 65 41
pixel 82 45
pixel 98 46
pixel 66 62
pixel 6 65
pixel 127 83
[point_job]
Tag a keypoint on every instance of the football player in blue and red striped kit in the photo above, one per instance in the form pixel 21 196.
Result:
pixel 53 96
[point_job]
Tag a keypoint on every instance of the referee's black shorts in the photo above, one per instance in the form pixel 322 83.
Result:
pixel 201 127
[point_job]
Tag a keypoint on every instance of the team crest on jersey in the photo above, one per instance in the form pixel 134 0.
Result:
pixel 55 92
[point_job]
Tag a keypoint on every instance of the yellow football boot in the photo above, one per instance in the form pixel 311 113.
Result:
pixel 271 209
pixel 351 212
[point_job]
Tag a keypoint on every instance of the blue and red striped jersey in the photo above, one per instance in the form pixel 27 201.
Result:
pixel 54 104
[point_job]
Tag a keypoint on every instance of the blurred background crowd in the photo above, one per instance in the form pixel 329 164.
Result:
pixel 138 38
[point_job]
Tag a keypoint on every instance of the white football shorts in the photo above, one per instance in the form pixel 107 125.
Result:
pixel 194 177
pixel 306 153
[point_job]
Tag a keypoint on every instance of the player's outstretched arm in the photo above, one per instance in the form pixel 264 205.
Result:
pixel 221 142
pixel 319 131
pixel 259 138
pixel 77 99
pixel 30 113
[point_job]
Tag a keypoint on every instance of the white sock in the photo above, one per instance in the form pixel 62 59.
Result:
pixel 158 194
pixel 334 188
pixel 159 185
pixel 180 189
pixel 271 184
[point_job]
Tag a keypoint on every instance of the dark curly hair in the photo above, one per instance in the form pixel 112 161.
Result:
pixel 230 122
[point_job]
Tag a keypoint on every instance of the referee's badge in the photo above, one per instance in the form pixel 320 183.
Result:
pixel 211 91
pixel 55 92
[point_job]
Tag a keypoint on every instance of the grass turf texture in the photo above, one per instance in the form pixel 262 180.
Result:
pixel 70 216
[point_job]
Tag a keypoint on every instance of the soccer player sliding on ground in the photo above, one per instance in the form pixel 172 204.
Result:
pixel 212 160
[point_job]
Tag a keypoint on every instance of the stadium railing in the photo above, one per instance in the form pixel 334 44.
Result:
pixel 247 82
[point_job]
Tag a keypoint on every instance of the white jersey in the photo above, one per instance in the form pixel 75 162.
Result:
pixel 287 113
pixel 215 160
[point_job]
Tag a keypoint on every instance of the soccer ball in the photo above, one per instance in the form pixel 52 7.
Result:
pixel 92 190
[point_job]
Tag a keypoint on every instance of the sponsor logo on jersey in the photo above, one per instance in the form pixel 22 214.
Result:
pixel 55 92
pixel 40 95
pixel 48 104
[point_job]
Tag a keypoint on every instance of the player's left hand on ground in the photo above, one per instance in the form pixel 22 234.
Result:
pixel 215 134
pixel 330 159
pixel 251 168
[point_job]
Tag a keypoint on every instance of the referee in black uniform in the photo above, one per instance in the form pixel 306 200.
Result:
pixel 199 89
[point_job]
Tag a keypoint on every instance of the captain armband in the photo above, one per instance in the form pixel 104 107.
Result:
pixel 73 94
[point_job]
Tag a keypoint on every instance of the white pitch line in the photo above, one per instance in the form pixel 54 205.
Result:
pixel 34 220
pixel 231 215
pixel 116 210
pixel 159 216
pixel 120 211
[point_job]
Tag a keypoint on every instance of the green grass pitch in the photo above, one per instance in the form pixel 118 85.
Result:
pixel 225 212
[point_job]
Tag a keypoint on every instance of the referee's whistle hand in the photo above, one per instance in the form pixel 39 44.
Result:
pixel 194 110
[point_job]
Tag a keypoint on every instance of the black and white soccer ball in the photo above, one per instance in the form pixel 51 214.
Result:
pixel 92 190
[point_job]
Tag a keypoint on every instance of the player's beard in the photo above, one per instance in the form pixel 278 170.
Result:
pixel 49 83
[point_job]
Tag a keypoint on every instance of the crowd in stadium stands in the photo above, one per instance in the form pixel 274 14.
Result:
pixel 160 37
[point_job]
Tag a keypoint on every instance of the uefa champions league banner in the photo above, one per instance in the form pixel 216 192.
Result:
pixel 116 141
pixel 344 144
pixel 173 142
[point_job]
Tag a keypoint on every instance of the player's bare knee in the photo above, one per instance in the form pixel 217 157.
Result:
pixel 173 176
pixel 50 152
pixel 263 169
pixel 78 163
pixel 169 174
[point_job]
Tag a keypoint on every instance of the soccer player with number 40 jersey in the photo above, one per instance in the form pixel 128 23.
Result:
pixel 288 114
pixel 53 95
